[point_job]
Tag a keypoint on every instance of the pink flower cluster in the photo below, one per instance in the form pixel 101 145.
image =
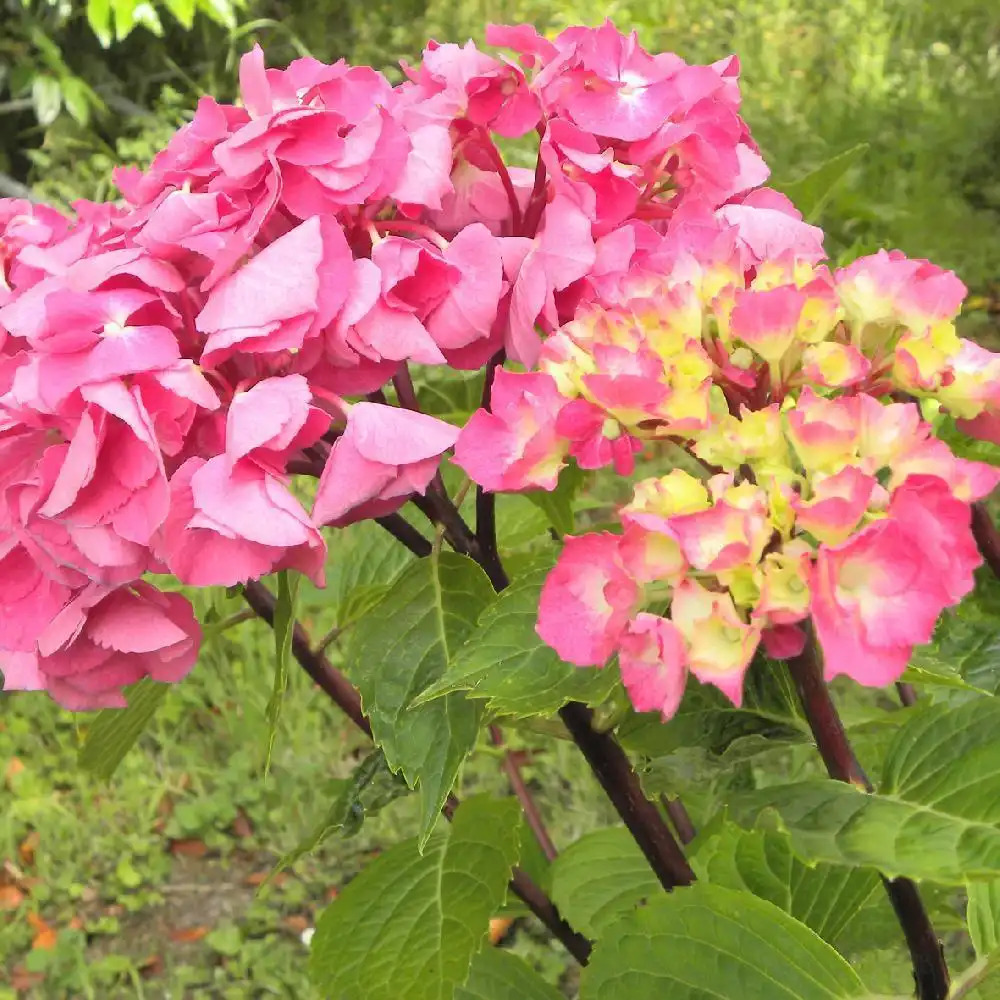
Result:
pixel 167 365
pixel 818 499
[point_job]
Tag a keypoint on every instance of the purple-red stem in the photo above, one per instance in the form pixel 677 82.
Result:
pixel 486 504
pixel 930 972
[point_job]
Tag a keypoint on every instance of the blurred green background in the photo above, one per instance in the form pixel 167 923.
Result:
pixel 148 887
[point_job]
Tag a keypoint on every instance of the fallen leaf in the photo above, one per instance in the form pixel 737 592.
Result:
pixel 190 847
pixel 242 826
pixel 499 928
pixel 75 924
pixel 185 935
pixel 297 922
pixel 26 849
pixel 45 934
pixel 259 878
pixel 151 965
pixel 14 767
pixel 332 893
pixel 22 980
pixel 10 897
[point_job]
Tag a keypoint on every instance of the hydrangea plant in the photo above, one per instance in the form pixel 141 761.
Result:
pixel 253 347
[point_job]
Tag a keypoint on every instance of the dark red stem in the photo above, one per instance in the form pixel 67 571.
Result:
pixel 930 972
pixel 987 538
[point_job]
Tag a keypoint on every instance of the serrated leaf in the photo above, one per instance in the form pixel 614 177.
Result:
pixel 115 730
pixel 401 647
pixel 983 916
pixel 557 505
pixel 371 787
pixel 704 942
pixel 937 813
pixel 601 877
pixel 506 664
pixel 284 627
pixel 410 923
pixel 824 898
pixel 500 975
pixel 812 192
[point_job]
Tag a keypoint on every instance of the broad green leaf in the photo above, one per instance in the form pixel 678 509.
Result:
pixel 557 504
pixel 284 628
pixel 500 975
pixel 447 394
pixel 601 877
pixel 812 192
pixel 705 942
pixel 937 813
pixel 505 663
pixel 46 96
pixel 364 562
pixel 824 897
pixel 115 730
pixel 983 916
pixel 370 788
pixel 520 524
pixel 183 10
pixel 401 647
pixel 410 923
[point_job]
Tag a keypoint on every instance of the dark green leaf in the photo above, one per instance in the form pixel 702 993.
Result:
pixel 115 730
pixel 600 877
pixel 401 647
pixel 704 942
pixel 501 975
pixel 410 923
pixel 504 662
pixel 812 192
pixel 557 505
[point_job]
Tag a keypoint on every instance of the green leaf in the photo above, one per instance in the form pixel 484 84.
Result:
pixel 504 662
pixel 221 11
pixel 983 916
pixel 704 942
pixel 46 96
pixel 76 97
pixel 825 897
pixel 401 647
pixel 115 730
pixel 937 814
pixel 410 923
pixel 284 628
pixel 557 505
pixel 500 975
pixel 812 192
pixel 447 394
pixel 183 10
pixel 600 877
pixel 371 787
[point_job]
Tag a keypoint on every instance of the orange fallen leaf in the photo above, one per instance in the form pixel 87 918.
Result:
pixel 189 847
pixel 259 878
pixel 10 897
pixel 332 893
pixel 185 935
pixel 76 924
pixel 14 767
pixel 26 849
pixel 499 926
pixel 45 934
pixel 297 922
pixel 151 965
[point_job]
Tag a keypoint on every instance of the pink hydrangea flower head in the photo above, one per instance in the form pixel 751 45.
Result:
pixel 834 366
pixel 384 456
pixel 587 601
pixel 653 661
pixel 514 445
pixel 837 504
pixel 824 432
pixel 767 321
pixel 720 644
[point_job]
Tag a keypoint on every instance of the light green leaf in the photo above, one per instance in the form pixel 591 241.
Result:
pixel 824 898
pixel 99 16
pixel 704 942
pixel 558 504
pixel 371 787
pixel 601 877
pixel 937 814
pixel 410 923
pixel 504 662
pixel 115 730
pixel 46 96
pixel 76 97
pixel 401 647
pixel 984 916
pixel 284 628
pixel 221 11
pixel 183 10
pixel 501 975
pixel 812 192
